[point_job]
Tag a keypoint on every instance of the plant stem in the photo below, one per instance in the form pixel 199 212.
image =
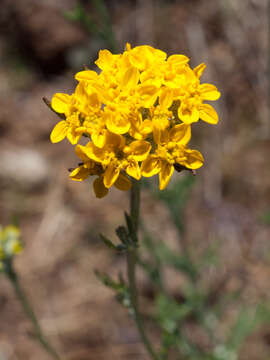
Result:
pixel 12 276
pixel 131 268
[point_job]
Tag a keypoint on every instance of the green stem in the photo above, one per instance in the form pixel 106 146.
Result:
pixel 12 276
pixel 131 268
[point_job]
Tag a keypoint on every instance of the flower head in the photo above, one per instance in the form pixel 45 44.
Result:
pixel 137 114
pixel 10 243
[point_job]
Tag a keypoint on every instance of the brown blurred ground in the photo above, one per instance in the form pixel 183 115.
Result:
pixel 60 220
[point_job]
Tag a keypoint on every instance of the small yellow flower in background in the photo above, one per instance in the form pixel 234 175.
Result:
pixel 10 243
pixel 137 114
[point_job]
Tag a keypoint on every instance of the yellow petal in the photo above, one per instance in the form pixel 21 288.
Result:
pixel 115 140
pixel 86 75
pixel 161 136
pixel 138 57
pixel 150 166
pixel 60 102
pixel 166 98
pixel 59 131
pixel 118 124
pixel 130 78
pixel 99 138
pixel 110 176
pixel 93 100
pixel 73 136
pixel 198 70
pixel 194 159
pixel 149 94
pixel 123 183
pixel 178 59
pixel 99 188
pixel 79 150
pixel 181 133
pixel 93 152
pixel 209 92
pixel 80 173
pixel 208 114
pixel 106 59
pixel 146 127
pixel 128 46
pixel 133 170
pixel 138 149
pixel 188 115
pixel 165 174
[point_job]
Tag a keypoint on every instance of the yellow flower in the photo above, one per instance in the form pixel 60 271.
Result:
pixel 192 96
pixel 83 115
pixel 117 156
pixel 136 113
pixel 10 243
pixel 171 149
pixel 89 167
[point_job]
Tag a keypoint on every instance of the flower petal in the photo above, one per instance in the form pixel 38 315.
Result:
pixel 209 92
pixel 130 78
pixel 198 70
pixel 194 159
pixel 99 188
pixel 150 166
pixel 133 170
pixel 165 174
pixel 105 59
pixel 146 127
pixel 181 133
pixel 73 136
pixel 123 183
pixel 148 93
pixel 80 173
pixel 208 114
pixel 60 102
pixel 99 138
pixel 166 98
pixel 178 59
pixel 59 132
pixel 138 149
pixel 110 176
pixel 86 75
pixel 79 150
pixel 93 152
pixel 188 115
pixel 117 124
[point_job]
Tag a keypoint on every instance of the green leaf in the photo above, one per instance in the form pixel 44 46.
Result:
pixel 170 313
pixel 123 235
pixel 108 281
pixel 108 242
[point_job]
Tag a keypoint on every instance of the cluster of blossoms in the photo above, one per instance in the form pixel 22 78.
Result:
pixel 10 243
pixel 137 114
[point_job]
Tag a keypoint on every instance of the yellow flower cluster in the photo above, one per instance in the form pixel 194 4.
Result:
pixel 136 113
pixel 10 243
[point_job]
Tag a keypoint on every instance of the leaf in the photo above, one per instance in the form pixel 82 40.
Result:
pixel 123 235
pixel 107 242
pixel 130 227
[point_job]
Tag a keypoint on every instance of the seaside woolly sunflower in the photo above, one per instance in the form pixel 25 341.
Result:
pixel 137 114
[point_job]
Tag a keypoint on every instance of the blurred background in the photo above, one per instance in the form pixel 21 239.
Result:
pixel 226 208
